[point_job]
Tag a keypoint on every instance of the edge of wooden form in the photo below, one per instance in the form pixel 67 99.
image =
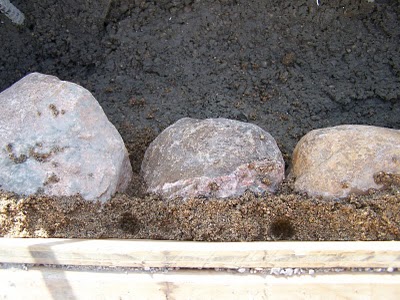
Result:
pixel 46 283
pixel 74 269
pixel 150 253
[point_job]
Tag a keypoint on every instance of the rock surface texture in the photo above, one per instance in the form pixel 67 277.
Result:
pixel 212 157
pixel 334 162
pixel 56 139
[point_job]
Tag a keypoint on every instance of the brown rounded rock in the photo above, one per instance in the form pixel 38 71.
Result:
pixel 334 162
pixel 212 157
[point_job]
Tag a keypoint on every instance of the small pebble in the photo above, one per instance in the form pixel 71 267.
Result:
pixel 289 272
pixel 390 269
pixel 311 272
pixel 241 270
pixel 339 270
pixel 275 271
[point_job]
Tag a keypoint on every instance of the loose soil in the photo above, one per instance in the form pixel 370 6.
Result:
pixel 287 66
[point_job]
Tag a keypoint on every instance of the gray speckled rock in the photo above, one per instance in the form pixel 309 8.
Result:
pixel 334 162
pixel 56 139
pixel 212 157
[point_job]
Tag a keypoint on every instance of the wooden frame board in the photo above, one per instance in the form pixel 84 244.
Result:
pixel 150 253
pixel 43 283
pixel 74 269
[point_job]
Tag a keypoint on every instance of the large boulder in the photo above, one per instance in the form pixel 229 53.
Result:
pixel 334 162
pixel 56 139
pixel 212 157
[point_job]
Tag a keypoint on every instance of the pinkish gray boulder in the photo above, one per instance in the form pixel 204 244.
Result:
pixel 334 162
pixel 56 139
pixel 213 157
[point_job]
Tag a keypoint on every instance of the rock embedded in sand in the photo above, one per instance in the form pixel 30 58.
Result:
pixel 334 162
pixel 212 157
pixel 56 139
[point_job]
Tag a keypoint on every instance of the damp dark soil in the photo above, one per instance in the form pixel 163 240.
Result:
pixel 288 66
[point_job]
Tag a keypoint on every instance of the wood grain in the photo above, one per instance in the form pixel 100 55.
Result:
pixel 150 253
pixel 43 283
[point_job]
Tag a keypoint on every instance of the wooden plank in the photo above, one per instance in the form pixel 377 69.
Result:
pixel 42 283
pixel 149 253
